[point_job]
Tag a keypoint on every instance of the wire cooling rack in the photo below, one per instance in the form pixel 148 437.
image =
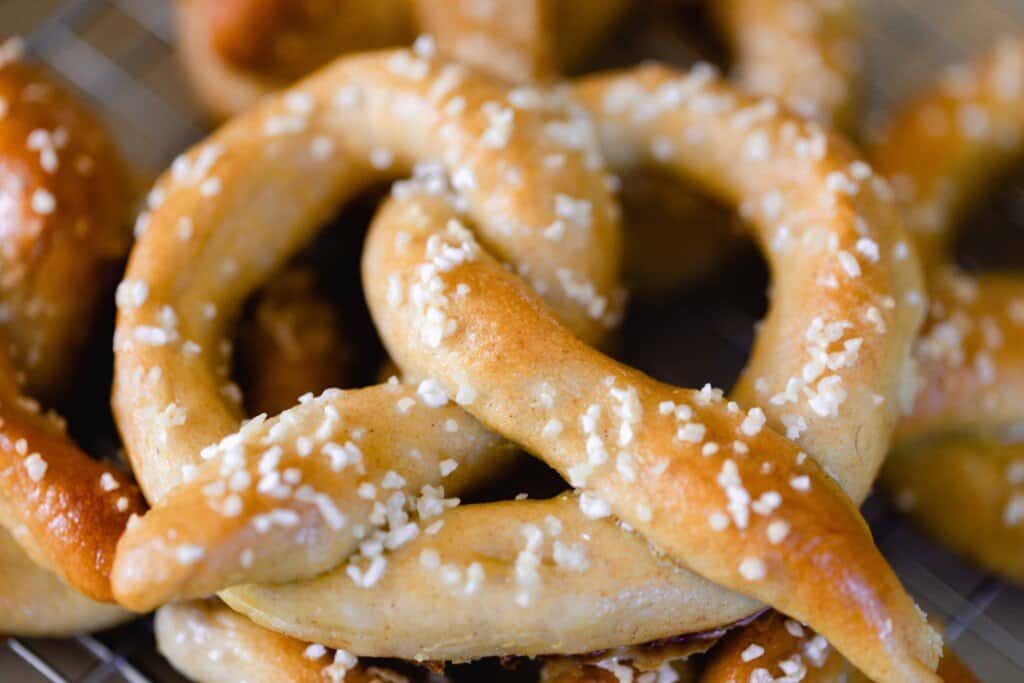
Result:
pixel 119 54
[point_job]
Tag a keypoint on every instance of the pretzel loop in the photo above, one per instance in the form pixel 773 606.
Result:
pixel 363 120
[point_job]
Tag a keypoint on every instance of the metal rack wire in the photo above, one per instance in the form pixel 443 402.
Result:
pixel 119 54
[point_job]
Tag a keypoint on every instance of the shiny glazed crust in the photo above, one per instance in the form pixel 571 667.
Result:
pixel 65 200
pixel 63 223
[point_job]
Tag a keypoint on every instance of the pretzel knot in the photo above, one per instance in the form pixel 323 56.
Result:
pixel 64 205
pixel 726 497
pixel 943 149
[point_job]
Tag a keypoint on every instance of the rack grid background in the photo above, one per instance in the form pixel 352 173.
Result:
pixel 119 54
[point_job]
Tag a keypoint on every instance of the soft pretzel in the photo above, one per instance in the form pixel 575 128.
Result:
pixel 876 412
pixel 64 202
pixel 958 464
pixel 633 109
pixel 874 296
pixel 64 228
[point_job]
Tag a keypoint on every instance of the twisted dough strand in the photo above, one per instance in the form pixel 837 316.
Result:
pixel 743 559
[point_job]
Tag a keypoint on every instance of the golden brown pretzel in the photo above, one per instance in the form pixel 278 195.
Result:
pixel 958 464
pixel 65 201
pixel 331 585
pixel 632 109
pixel 63 223
pixel 875 296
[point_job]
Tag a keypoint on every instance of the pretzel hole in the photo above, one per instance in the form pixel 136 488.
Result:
pixel 716 306
pixel 990 236
pixel 312 312
pixel 669 31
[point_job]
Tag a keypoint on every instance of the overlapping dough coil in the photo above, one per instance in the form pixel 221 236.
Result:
pixel 710 484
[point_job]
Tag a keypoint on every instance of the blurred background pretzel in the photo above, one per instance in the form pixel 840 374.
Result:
pixel 64 200
pixel 958 465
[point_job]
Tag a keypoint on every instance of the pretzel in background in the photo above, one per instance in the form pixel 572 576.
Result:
pixel 957 467
pixel 63 224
